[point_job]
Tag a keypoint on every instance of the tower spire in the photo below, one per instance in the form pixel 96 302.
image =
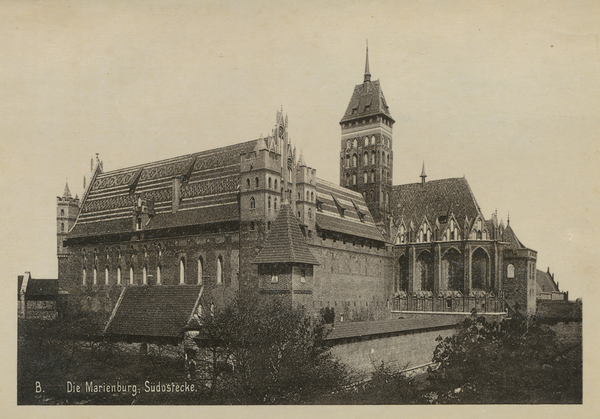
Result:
pixel 67 192
pixel 423 175
pixel 367 72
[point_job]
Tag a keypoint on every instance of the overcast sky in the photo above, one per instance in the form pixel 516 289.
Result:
pixel 507 95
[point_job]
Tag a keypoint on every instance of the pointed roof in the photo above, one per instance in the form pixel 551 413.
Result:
pixel 511 238
pixel 423 171
pixel 260 145
pixel 285 243
pixel 301 160
pixel 67 192
pixel 367 99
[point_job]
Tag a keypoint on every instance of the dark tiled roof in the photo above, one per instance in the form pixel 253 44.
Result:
pixel 159 311
pixel 367 99
pixel 343 330
pixel 544 282
pixel 285 242
pixel 39 288
pixel 558 310
pixel 329 217
pixel 510 237
pixel 436 198
pixel 211 180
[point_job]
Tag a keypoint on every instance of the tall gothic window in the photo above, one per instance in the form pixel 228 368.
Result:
pixel 145 275
pixel 118 275
pixel 182 271
pixel 158 275
pixel 220 270
pixel 200 269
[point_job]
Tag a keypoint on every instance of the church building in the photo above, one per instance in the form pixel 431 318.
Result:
pixel 195 230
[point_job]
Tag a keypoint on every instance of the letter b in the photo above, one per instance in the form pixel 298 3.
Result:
pixel 38 387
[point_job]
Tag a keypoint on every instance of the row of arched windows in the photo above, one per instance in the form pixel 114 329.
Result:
pixel 367 141
pixel 144 279
pixel 352 160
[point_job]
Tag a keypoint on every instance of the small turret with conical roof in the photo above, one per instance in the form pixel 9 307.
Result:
pixel 67 210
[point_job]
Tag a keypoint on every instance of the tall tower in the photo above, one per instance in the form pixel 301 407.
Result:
pixel 366 157
pixel 67 210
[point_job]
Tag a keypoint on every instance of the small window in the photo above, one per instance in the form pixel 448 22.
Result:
pixel 252 203
pixel 84 276
pixel 354 178
pixel 158 274
pixel 510 271
pixel 62 212
pixel 145 275
pixel 131 275
pixel 302 275
pixel 252 225
pixel 275 204
pixel 275 184
pixel 256 181
pixel 268 225
pixel 269 203
pixel 312 196
pixel 274 277
pixel 95 275
pixel 106 275
pixel 62 226
pixel 310 213
pixel 307 196
pixel 248 183
pixel 269 183
pixel 138 224
pixel 118 275
pixel 354 160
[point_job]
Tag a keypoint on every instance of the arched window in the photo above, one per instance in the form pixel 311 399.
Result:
pixel 479 269
pixel 275 204
pixel 270 183
pixel 274 276
pixel 200 269
pixel 347 160
pixel 373 158
pixel 248 183
pixel 354 160
pixel 275 184
pixel 372 176
pixel 158 275
pixel 402 284
pixel 366 158
pixel 268 225
pixel 256 181
pixel 269 203
pixel 131 281
pixel 106 275
pixel 310 213
pixel 62 226
pixel 95 275
pixel 365 177
pixel 62 212
pixel 145 275
pixel 388 159
pixel 373 139
pixel 348 144
pixel 383 157
pixel 347 179
pixel 307 196
pixel 299 198
pixel 510 271
pixel 452 271
pixel 312 196
pixel 118 275
pixel 252 203
pixel 425 271
pixel 219 270
pixel 366 141
pixel 84 276
pixel 182 271
pixel 354 143
pixel 354 178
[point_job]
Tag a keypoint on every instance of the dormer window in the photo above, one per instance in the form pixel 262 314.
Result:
pixel 354 111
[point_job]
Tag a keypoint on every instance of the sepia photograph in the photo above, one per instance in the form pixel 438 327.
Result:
pixel 303 204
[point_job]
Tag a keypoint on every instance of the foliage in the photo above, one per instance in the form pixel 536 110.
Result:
pixel 262 352
pixel 515 361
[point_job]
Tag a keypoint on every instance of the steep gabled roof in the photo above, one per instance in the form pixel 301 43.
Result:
pixel 435 198
pixel 209 192
pixel 367 99
pixel 510 237
pixel 160 311
pixel 544 282
pixel 329 217
pixel 285 242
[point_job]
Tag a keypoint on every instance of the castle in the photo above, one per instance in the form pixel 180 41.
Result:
pixel 254 217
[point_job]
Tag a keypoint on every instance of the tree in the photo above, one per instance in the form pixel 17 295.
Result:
pixel 261 351
pixel 515 361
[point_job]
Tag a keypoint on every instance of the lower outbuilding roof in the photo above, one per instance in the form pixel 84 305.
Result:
pixel 154 312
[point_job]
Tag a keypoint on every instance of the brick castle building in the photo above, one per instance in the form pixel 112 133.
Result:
pixel 255 217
